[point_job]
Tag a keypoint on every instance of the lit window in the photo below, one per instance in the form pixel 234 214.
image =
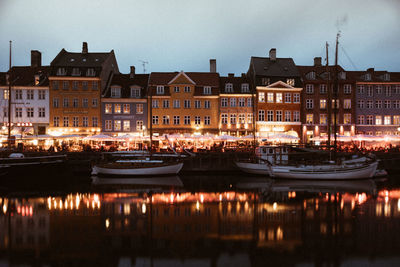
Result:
pixel 127 126
pixel 117 108
pixel 108 109
pixel 378 120
pixel 278 97
pixel 347 118
pixel 139 108
pixel 323 118
pixel 388 120
pixel 347 104
pixel 261 97
pixel 309 118
pixel 322 103
pixel 117 125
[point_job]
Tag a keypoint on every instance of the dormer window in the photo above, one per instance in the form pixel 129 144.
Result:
pixel 367 77
pixel 386 77
pixel 61 72
pixel 90 72
pixel 265 81
pixel 135 92
pixel 245 88
pixel 76 72
pixel 311 75
pixel 228 88
pixel 342 75
pixel 115 92
pixel 290 82
pixel 207 90
pixel 160 89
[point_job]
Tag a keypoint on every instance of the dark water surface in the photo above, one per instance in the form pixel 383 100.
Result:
pixel 203 221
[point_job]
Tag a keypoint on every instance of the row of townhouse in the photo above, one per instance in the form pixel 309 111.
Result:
pixel 84 93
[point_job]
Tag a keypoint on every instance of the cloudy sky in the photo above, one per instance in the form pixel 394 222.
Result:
pixel 174 35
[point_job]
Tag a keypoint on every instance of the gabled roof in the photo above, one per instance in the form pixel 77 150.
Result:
pixel 125 82
pixel 179 79
pixel 25 76
pixel 281 67
pixel 199 78
pixel 70 59
pixel 279 84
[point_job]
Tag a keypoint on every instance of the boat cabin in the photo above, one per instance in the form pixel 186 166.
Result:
pixel 274 154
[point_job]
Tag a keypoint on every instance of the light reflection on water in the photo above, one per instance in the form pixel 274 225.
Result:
pixel 162 223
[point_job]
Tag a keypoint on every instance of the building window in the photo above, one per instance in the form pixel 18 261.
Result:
pixel 387 120
pixel 242 118
pixel 296 98
pixel 94 102
pixel 288 97
pixel 55 85
pixel 177 120
pixel 65 85
pixel 186 120
pixel 360 104
pixel 108 126
pixel 347 118
pixel 224 118
pixel 85 103
pixel 232 102
pixel 176 89
pixel 139 108
pixel 155 120
pixel 288 115
pixel 367 77
pixel 18 94
pixel 322 103
pixel 378 104
pixel 378 120
pixel 90 72
pixel 233 119
pixel 241 102
pixel 370 90
pixel 154 103
pixel 95 85
pixel 85 85
pixel 197 120
pixel 186 89
pixel 360 119
pixel 108 109
pixel 370 120
pixel 347 88
pixel 95 122
pixel 207 120
pixel 387 103
pixel 370 104
pixel 360 89
pixel 249 102
pixel 261 97
pixel 279 98
pixel 165 103
pixel 270 97
pixel 323 118
pixel 396 120
pixel 197 104
pixel 228 88
pixel 177 104
pixel 245 88
pixel 29 94
pixel 126 108
pixel 66 122
pixel 115 92
pixel 265 81
pixel 270 115
pixel 75 72
pixel 296 116
pixel 207 90
pixel 127 126
pixel 56 121
pixel 85 121
pixel 55 102
pixel 290 82
pixel 279 115
pixel 166 120
pixel 139 125
pixel 249 118
pixel 65 102
pixel 261 115
pixel 224 102
pixel 309 103
pixel 29 112
pixel 117 125
pixel 75 102
pixel 310 88
pixel 311 75
pixel 160 90
pixel 378 89
pixel 347 104
pixel 207 104
pixel 135 92
pixel 322 89
pixel 75 122
pixel 42 94
pixel 309 118
pixel 397 89
pixel 388 90
pixel 41 112
pixel 335 103
pixel 186 103
pixel 117 108
pixel 75 85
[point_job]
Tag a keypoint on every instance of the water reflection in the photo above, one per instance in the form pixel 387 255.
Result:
pixel 280 222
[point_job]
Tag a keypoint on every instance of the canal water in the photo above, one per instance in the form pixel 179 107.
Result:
pixel 202 221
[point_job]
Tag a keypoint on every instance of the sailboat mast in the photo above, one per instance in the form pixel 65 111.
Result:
pixel 151 117
pixel 335 92
pixel 329 118
pixel 9 102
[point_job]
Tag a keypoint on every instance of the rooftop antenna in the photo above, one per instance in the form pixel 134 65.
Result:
pixel 144 65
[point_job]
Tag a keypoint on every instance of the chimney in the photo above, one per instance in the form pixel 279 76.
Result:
pixel 84 48
pixel 213 65
pixel 231 75
pixel 317 61
pixel 370 70
pixel 243 75
pixel 132 73
pixel 272 54
pixel 36 58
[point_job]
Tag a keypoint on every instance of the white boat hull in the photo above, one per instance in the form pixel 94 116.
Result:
pixel 153 171
pixel 325 172
pixel 253 168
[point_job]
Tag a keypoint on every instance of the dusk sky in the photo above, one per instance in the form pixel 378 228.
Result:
pixel 174 35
